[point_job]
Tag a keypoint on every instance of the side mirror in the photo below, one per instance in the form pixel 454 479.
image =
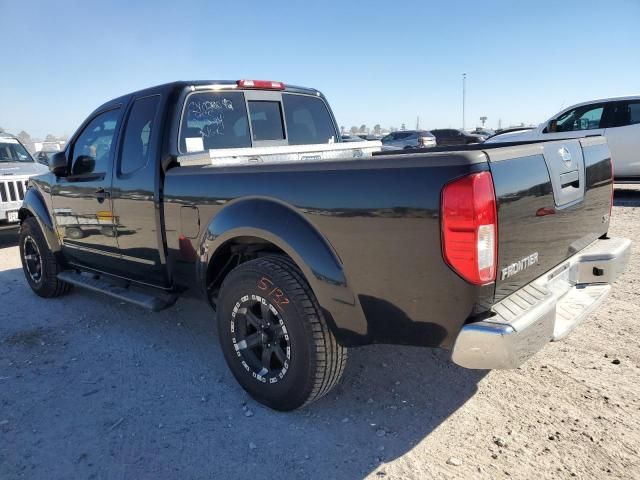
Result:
pixel 83 164
pixel 553 126
pixel 58 164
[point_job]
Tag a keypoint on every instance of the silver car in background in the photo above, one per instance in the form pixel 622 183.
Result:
pixel 16 167
pixel 406 139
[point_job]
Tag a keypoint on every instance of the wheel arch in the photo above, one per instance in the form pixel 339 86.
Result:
pixel 34 205
pixel 266 226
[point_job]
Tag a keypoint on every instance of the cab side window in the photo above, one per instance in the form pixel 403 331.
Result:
pixel 93 149
pixel 137 137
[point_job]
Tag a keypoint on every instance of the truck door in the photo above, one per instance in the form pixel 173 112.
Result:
pixel 136 204
pixel 82 200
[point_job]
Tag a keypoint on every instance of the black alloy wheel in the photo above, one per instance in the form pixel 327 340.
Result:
pixel 261 338
pixel 274 335
pixel 32 259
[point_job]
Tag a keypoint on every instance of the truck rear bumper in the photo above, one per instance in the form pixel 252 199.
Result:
pixel 547 309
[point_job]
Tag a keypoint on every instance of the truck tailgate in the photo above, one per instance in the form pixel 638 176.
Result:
pixel 553 200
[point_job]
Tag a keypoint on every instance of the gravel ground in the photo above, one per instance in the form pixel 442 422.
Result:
pixel 92 388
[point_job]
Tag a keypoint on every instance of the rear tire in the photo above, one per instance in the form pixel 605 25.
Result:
pixel 39 264
pixel 274 336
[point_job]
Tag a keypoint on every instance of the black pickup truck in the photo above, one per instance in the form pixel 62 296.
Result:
pixel 305 246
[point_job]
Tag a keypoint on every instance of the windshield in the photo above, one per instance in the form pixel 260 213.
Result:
pixel 12 151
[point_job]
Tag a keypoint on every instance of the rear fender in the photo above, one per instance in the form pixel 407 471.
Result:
pixel 281 225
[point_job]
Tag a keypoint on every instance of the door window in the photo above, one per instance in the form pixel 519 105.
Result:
pixel 137 136
pixel 586 117
pixel 93 149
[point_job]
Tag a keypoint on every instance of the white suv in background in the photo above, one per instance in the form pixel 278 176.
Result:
pixel 16 167
pixel 618 119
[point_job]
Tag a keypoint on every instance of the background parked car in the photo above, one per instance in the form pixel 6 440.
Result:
pixel 43 157
pixel 482 132
pixel 16 167
pixel 451 136
pixel 406 139
pixel 509 131
pixel 618 119
pixel 45 150
pixel 350 138
pixel 368 137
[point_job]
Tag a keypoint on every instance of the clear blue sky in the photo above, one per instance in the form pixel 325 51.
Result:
pixel 381 62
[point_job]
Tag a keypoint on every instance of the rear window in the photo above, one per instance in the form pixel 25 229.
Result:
pixel 214 120
pixel 308 120
pixel 266 120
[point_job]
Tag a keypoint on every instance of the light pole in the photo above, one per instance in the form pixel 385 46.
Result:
pixel 464 94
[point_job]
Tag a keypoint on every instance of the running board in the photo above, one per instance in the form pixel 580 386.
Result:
pixel 95 283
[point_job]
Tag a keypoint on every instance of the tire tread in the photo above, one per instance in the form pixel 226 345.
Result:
pixel 330 356
pixel 52 286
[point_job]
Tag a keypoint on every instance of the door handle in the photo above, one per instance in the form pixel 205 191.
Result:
pixel 101 194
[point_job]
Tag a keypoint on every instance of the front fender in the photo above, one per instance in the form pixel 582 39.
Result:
pixel 34 205
pixel 283 226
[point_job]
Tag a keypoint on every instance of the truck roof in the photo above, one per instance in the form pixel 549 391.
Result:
pixel 183 84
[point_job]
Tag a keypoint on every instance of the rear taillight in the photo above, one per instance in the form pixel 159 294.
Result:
pixel 470 227
pixel 262 84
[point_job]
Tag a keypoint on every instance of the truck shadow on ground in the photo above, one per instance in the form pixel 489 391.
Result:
pixel 104 389
pixel 626 197
pixel 8 236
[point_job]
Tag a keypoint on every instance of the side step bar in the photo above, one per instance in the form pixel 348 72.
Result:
pixel 149 301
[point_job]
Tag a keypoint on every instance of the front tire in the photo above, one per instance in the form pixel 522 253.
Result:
pixel 274 336
pixel 40 265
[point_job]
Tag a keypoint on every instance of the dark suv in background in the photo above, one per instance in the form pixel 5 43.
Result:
pixel 406 139
pixel 451 136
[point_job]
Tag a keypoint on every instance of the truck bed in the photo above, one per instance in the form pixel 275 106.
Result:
pixel 381 218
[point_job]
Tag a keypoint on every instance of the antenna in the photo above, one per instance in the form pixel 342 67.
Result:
pixel 464 94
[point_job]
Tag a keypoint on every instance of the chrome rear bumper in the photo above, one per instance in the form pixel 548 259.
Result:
pixel 547 309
